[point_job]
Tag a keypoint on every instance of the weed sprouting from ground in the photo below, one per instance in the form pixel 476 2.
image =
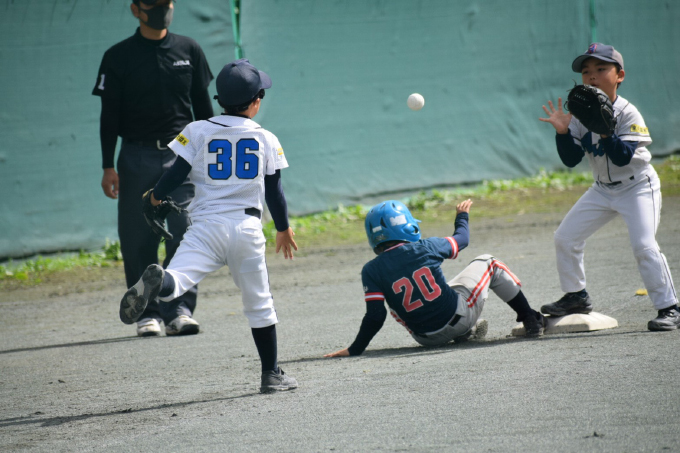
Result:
pixel 540 193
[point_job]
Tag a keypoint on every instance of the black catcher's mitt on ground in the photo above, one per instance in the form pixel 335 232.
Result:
pixel 592 107
pixel 155 215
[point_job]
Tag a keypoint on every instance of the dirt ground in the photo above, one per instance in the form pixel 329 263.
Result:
pixel 74 378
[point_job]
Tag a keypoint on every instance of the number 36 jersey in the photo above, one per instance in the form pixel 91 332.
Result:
pixel 229 157
pixel 410 279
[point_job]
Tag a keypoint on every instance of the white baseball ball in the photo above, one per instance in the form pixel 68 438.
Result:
pixel 415 101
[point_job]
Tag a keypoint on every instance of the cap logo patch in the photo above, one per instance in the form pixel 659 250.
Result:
pixel 398 220
pixel 592 48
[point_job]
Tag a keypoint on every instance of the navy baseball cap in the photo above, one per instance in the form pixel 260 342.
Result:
pixel 239 82
pixel 601 52
pixel 150 2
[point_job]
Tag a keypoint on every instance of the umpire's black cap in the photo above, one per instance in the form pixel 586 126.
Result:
pixel 239 82
pixel 601 52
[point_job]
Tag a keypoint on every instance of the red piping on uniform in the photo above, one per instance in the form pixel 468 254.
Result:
pixel 495 264
pixel 395 246
pixel 454 248
pixel 484 281
pixel 505 268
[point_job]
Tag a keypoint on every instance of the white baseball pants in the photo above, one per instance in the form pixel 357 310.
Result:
pixel 232 239
pixel 639 203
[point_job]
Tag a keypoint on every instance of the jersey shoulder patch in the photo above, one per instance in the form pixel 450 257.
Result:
pixel 181 139
pixel 639 129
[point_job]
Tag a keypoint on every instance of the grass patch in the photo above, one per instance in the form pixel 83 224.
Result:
pixel 541 193
pixel 32 271
pixel 544 192
pixel 669 174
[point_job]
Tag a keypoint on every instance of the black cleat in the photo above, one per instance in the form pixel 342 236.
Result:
pixel 668 319
pixel 277 381
pixel 135 300
pixel 534 324
pixel 569 304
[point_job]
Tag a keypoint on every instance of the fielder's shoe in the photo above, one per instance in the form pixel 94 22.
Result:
pixel 136 298
pixel 276 381
pixel 668 319
pixel 148 327
pixel 569 304
pixel 534 325
pixel 182 325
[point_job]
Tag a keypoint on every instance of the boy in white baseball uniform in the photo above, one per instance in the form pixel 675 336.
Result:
pixel 625 184
pixel 235 166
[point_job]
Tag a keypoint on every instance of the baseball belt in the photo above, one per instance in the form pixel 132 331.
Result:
pixel 160 144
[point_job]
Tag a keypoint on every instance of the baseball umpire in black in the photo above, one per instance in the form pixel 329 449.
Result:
pixel 149 84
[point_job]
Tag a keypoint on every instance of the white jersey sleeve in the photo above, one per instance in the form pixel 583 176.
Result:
pixel 276 158
pixel 630 127
pixel 229 158
pixel 183 145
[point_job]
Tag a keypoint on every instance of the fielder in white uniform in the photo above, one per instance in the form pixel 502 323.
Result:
pixel 235 165
pixel 625 184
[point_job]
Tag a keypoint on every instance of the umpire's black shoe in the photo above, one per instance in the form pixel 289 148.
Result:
pixel 135 300
pixel 534 324
pixel 668 319
pixel 277 381
pixel 569 304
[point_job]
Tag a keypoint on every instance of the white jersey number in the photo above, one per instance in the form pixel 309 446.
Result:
pixel 244 165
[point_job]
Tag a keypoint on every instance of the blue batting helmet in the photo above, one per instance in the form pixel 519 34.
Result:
pixel 391 221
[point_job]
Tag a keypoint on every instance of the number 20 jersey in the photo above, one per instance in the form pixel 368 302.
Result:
pixel 410 279
pixel 229 157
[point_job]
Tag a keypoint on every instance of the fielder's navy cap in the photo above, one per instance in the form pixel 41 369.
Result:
pixel 239 82
pixel 601 52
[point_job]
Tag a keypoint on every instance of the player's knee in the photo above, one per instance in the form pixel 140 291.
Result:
pixel 484 257
pixel 563 242
pixel 261 317
pixel 646 254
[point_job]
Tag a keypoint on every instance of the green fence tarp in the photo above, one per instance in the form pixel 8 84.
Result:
pixel 50 157
pixel 342 71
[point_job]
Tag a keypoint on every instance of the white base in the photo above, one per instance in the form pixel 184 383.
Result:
pixel 573 323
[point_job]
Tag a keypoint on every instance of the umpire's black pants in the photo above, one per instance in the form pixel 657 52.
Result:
pixel 139 169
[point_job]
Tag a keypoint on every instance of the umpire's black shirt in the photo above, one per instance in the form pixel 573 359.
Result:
pixel 148 88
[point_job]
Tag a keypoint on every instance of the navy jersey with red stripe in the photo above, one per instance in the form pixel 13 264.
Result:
pixel 409 278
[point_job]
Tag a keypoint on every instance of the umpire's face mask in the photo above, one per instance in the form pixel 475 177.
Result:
pixel 159 17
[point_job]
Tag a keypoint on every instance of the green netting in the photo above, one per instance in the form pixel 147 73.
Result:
pixel 342 71
pixel 50 158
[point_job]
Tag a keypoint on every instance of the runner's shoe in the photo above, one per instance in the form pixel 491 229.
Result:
pixel 534 325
